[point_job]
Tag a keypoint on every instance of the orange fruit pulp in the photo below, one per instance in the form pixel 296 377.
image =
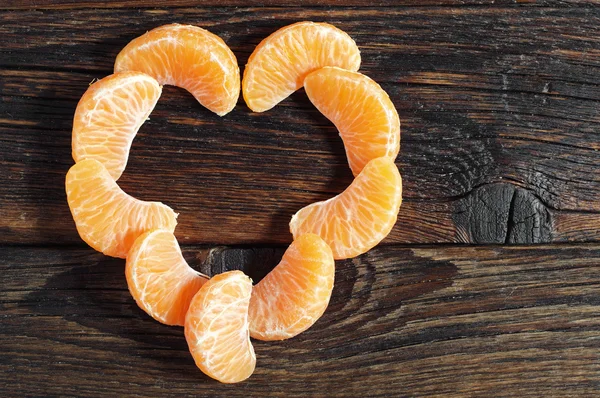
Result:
pixel 278 65
pixel 109 115
pixel 360 109
pixel 108 219
pixel 294 295
pixel 159 279
pixel 356 220
pixel 188 57
pixel 216 328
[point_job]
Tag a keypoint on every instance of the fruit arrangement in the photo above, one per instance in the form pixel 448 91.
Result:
pixel 220 314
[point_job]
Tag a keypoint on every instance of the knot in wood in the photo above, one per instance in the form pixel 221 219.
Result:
pixel 502 213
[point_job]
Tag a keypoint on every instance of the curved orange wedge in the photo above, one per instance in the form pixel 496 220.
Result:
pixel 360 109
pixel 109 115
pixel 279 64
pixel 159 279
pixel 188 57
pixel 216 328
pixel 294 295
pixel 108 219
pixel 356 220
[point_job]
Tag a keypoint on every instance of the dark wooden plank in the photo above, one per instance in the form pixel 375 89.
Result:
pixel 498 105
pixel 71 4
pixel 403 321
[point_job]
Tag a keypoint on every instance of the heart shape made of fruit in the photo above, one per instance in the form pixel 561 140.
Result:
pixel 220 314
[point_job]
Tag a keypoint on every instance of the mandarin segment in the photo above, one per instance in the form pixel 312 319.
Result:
pixel 360 109
pixel 279 64
pixel 159 279
pixel 109 115
pixel 220 314
pixel 359 218
pixel 188 57
pixel 108 219
pixel 216 328
pixel 294 295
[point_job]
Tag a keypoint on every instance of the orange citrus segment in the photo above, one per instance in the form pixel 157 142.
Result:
pixel 188 57
pixel 159 279
pixel 356 220
pixel 360 109
pixel 279 64
pixel 109 115
pixel 293 296
pixel 216 328
pixel 108 219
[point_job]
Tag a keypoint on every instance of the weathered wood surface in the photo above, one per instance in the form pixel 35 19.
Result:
pixel 405 321
pixel 500 113
pixel 500 110
pixel 77 4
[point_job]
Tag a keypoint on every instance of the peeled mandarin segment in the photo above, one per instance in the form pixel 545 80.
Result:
pixel 279 64
pixel 108 219
pixel 216 328
pixel 109 115
pixel 188 57
pixel 360 109
pixel 159 279
pixel 356 220
pixel 294 295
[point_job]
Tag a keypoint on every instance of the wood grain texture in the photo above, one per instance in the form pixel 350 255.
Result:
pixel 500 109
pixel 403 321
pixel 71 4
pixel 500 103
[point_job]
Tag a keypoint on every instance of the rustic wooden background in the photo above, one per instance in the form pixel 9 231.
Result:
pixel 489 285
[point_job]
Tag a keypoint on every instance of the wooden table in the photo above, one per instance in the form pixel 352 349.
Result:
pixel 489 285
